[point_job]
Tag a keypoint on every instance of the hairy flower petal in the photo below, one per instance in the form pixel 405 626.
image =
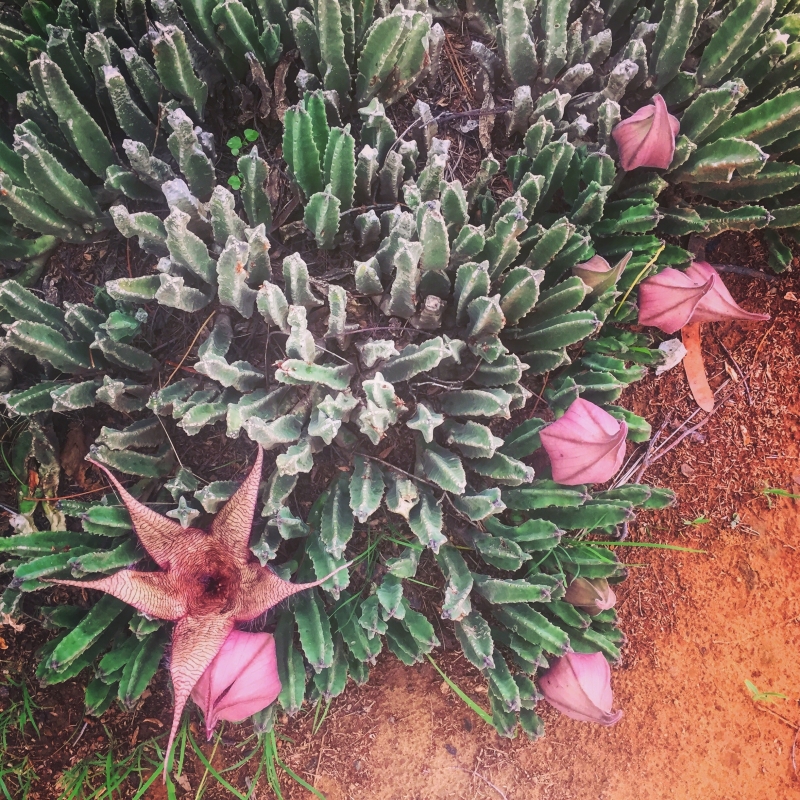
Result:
pixel 261 589
pixel 160 536
pixel 586 445
pixel 158 594
pixel 579 686
pixel 231 525
pixel 647 137
pixel 195 643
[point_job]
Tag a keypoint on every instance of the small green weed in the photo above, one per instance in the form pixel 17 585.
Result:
pixel 485 716
pixel 19 714
pixel 763 697
pixel 697 521
pixel 769 492
pixel 235 145
pixel 16 779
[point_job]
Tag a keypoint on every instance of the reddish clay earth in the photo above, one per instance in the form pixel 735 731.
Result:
pixel 699 625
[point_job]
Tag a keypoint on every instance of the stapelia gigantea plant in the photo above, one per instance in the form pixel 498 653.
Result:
pixel 726 70
pixel 388 50
pixel 88 83
pixel 87 78
pixel 487 305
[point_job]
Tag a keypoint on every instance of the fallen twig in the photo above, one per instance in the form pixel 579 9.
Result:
pixel 189 348
pixel 477 774
pixel 735 269
pixel 788 722
pixel 655 454
pixel 448 116
pixel 736 367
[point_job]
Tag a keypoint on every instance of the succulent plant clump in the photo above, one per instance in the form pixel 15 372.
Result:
pixel 387 354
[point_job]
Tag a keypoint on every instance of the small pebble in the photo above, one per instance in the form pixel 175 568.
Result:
pixel 358 765
pixel 450 749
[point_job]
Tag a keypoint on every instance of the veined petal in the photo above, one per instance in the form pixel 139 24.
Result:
pixel 234 521
pixel 668 300
pixel 261 589
pixel 586 445
pixel 647 137
pixel 157 594
pixel 159 535
pixel 717 305
pixel 195 642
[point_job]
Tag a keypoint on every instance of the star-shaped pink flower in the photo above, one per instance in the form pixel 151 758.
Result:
pixel 207 582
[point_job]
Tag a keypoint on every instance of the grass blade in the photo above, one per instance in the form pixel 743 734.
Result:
pixel 485 716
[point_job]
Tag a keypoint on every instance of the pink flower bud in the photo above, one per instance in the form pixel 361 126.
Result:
pixel 586 445
pixel 591 595
pixel 241 680
pixel 673 299
pixel 579 685
pixel 647 138
pixel 597 273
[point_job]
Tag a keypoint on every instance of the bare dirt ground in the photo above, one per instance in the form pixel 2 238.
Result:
pixel 699 625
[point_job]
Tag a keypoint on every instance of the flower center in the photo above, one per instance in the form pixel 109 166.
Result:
pixel 216 582
pixel 213 585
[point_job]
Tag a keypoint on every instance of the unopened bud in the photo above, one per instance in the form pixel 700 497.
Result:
pixel 579 686
pixel 591 595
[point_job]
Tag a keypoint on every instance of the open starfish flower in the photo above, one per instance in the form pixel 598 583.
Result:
pixel 207 582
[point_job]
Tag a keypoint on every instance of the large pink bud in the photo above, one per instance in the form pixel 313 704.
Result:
pixel 579 685
pixel 586 445
pixel 647 138
pixel 673 299
pixel 241 680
